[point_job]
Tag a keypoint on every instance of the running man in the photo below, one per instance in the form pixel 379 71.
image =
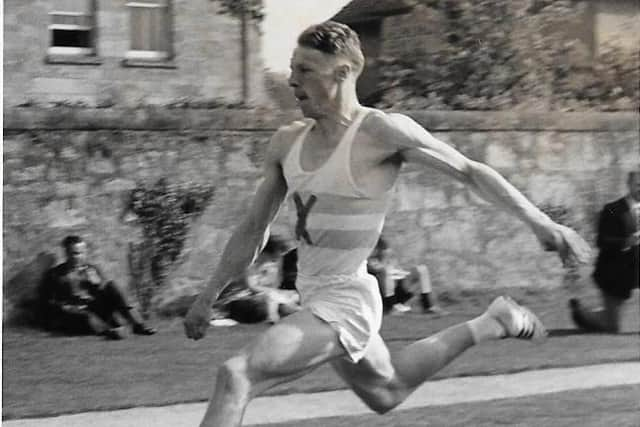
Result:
pixel 338 167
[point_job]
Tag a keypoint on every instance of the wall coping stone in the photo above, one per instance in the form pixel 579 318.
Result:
pixel 264 119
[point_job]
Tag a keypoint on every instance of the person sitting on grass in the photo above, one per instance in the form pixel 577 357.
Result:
pixel 264 293
pixel 395 283
pixel 77 299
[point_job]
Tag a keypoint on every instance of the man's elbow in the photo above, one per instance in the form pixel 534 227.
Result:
pixel 471 172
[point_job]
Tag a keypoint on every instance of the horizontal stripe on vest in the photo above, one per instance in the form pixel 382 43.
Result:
pixel 343 205
pixel 369 222
pixel 313 260
pixel 344 239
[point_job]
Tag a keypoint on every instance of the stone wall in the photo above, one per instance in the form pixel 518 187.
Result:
pixel 70 171
pixel 206 66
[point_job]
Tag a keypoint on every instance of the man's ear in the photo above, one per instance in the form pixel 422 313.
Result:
pixel 342 72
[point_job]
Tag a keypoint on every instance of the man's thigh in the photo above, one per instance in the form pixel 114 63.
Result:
pixel 295 345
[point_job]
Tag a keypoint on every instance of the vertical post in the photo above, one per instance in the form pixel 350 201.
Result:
pixel 244 51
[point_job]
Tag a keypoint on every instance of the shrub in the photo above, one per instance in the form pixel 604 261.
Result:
pixel 165 212
pixel 499 55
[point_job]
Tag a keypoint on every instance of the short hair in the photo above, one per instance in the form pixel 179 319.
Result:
pixel 336 39
pixel 71 240
pixel 633 174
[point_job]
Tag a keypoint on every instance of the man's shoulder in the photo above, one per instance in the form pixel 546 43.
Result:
pixel 285 136
pixel 616 207
pixel 380 122
pixel 617 204
pixel 293 128
pixel 57 271
pixel 63 267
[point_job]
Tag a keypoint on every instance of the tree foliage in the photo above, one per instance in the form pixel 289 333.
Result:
pixel 254 9
pixel 498 55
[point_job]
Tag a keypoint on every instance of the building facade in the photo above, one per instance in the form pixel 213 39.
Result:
pixel 128 53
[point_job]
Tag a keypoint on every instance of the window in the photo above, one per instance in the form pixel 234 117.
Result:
pixel 150 30
pixel 72 28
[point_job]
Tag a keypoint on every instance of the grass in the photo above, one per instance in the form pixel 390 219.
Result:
pixel 46 375
pixel 613 406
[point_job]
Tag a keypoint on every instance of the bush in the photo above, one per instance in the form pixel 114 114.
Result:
pixel 499 55
pixel 165 212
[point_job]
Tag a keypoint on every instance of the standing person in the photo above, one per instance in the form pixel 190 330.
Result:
pixel 78 299
pixel 339 166
pixel 617 270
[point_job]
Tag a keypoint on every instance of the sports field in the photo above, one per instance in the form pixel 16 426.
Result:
pixel 45 376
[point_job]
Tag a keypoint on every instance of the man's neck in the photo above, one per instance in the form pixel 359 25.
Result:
pixel 337 121
pixel 342 113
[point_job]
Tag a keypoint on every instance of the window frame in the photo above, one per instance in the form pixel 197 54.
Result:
pixel 146 57
pixel 91 28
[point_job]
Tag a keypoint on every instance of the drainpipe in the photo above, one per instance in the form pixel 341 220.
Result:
pixel 244 51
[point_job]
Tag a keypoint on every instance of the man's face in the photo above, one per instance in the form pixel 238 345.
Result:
pixel 634 186
pixel 77 254
pixel 313 79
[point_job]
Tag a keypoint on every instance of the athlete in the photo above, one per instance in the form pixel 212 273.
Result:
pixel 337 167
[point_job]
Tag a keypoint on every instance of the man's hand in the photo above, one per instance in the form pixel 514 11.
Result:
pixel 197 320
pixel 631 241
pixel 570 246
pixel 75 309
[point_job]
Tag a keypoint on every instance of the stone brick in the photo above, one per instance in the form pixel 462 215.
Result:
pixel 71 189
pixel 27 174
pixel 70 153
pixel 64 213
pixel 101 166
pixel 11 146
pixel 549 152
pixel 501 156
pixel 555 190
pixel 118 185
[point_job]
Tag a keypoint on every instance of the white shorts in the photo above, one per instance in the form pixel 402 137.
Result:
pixel 351 305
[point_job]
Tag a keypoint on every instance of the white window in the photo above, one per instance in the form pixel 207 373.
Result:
pixel 71 27
pixel 150 30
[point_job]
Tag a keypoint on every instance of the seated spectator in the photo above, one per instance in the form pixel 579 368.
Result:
pixel 289 270
pixel 264 293
pixel 394 283
pixel 77 299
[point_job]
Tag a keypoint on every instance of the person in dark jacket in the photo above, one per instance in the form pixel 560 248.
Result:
pixel 78 300
pixel 617 270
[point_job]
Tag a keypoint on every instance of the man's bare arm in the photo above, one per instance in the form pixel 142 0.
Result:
pixel 247 239
pixel 245 242
pixel 416 145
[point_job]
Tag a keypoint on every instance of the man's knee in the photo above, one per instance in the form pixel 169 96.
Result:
pixel 383 394
pixel 233 375
pixel 239 376
pixel 384 399
pixel 113 290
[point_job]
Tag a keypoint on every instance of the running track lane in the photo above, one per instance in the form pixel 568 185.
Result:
pixel 300 406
